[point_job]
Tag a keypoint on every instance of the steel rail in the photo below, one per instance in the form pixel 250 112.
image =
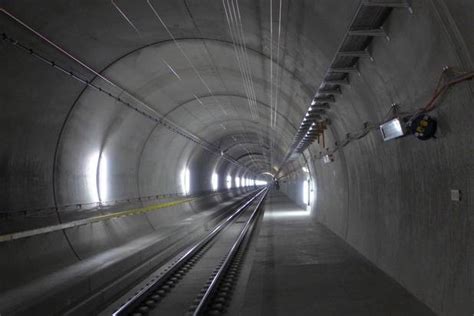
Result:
pixel 201 308
pixel 137 299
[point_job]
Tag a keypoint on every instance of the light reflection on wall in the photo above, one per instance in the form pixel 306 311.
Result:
pixel 228 181
pixel 214 181
pixel 237 182
pixel 91 176
pixel 185 179
pixel 308 195
pixel 103 190
pixel 306 192
pixel 309 192
pixel 287 214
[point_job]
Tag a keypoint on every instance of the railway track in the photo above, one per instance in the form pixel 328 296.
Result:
pixel 200 280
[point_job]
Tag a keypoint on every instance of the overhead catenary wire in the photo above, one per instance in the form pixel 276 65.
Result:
pixel 247 66
pixel 231 27
pixel 235 25
pixel 198 74
pixel 271 63
pixel 157 15
pixel 244 48
pixel 155 12
pixel 246 60
pixel 270 136
pixel 144 109
pixel 180 48
pixel 275 108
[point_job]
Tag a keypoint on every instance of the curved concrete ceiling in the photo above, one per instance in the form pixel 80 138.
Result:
pixel 183 66
pixel 106 101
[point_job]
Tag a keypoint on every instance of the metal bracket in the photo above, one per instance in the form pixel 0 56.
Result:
pixel 353 69
pixel 360 53
pixel 378 32
pixel 326 98
pixel 390 4
pixel 342 82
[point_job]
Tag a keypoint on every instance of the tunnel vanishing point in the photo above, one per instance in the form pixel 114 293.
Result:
pixel 237 157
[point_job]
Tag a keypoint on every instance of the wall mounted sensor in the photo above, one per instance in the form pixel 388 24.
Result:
pixel 423 127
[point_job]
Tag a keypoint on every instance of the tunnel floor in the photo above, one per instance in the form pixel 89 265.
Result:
pixel 301 268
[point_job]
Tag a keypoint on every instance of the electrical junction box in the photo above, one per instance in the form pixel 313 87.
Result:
pixel 455 195
pixel 392 129
pixel 328 158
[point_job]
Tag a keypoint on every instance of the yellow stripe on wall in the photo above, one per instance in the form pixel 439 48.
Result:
pixel 131 212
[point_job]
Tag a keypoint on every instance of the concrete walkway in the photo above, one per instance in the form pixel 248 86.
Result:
pixel 302 268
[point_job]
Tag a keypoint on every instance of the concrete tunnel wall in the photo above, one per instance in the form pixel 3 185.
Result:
pixel 60 270
pixel 390 201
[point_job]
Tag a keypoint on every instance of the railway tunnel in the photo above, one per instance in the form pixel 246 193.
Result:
pixel 142 143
